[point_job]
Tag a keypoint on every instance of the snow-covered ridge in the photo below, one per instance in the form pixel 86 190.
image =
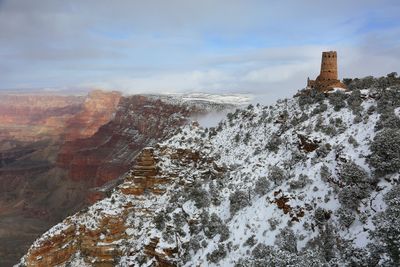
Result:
pixel 306 182
pixel 223 99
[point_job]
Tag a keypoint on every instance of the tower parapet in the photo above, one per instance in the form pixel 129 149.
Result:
pixel 328 77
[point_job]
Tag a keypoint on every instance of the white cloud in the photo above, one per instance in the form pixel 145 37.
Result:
pixel 258 46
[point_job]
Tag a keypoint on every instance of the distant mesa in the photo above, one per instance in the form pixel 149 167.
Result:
pixel 327 80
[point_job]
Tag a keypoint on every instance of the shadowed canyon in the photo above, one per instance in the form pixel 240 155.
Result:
pixel 60 153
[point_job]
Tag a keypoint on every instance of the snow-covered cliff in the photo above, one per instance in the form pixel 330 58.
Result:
pixel 310 181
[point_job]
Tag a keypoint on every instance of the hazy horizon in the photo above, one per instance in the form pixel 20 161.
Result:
pixel 264 48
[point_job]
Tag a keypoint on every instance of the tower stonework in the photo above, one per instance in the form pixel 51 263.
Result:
pixel 328 66
pixel 328 77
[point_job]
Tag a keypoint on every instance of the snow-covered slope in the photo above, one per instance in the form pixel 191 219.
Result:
pixel 310 181
pixel 205 99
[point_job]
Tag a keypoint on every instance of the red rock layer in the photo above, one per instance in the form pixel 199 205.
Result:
pixel 101 246
pixel 35 117
pixel 43 182
pixel 98 109
pixel 34 193
pixel 109 153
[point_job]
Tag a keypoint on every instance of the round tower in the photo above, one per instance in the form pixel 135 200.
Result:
pixel 328 66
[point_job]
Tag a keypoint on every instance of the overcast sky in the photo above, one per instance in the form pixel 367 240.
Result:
pixel 255 46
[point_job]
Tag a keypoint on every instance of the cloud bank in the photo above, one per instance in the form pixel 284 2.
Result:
pixel 256 46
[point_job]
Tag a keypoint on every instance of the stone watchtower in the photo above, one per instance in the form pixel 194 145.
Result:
pixel 328 66
pixel 328 77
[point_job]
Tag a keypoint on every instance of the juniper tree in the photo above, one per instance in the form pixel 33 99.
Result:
pixel 238 200
pixel 387 227
pixel 385 157
pixel 337 100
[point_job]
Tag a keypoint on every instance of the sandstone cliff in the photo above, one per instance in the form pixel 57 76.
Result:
pixel 97 110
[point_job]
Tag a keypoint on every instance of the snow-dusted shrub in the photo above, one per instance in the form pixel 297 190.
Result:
pixel 262 186
pixel 301 182
pixel 286 240
pixel 199 195
pixel 321 216
pixel 357 119
pixel 322 107
pixel 346 216
pixel 388 99
pixel 277 175
pixel 179 222
pixel 350 196
pixel 261 251
pixel 230 116
pixel 217 254
pixel 296 157
pixel 215 193
pixel 265 256
pixel 320 126
pixel 310 97
pixel 385 157
pixel 219 127
pixel 370 82
pixel 354 256
pixel 238 200
pixel 323 150
pixel 329 130
pixel 352 141
pixel 237 138
pixel 273 223
pixel 371 110
pixel 327 238
pixel 215 226
pixel 273 143
pixel 212 132
pixel 247 138
pixel 160 219
pixel 337 100
pixel 366 82
pixel 354 101
pixel 194 243
pixel 353 174
pixel 387 228
pixel 243 262
pixel 388 120
pixel 169 234
pixel 251 241
pixel 339 124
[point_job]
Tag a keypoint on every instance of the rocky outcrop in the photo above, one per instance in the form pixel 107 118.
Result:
pixel 99 241
pixel 144 177
pixel 307 144
pixel 97 235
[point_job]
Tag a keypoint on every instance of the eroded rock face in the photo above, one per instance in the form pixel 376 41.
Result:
pixel 36 117
pixel 34 192
pixel 97 235
pixel 98 240
pixel 138 122
pixel 97 110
